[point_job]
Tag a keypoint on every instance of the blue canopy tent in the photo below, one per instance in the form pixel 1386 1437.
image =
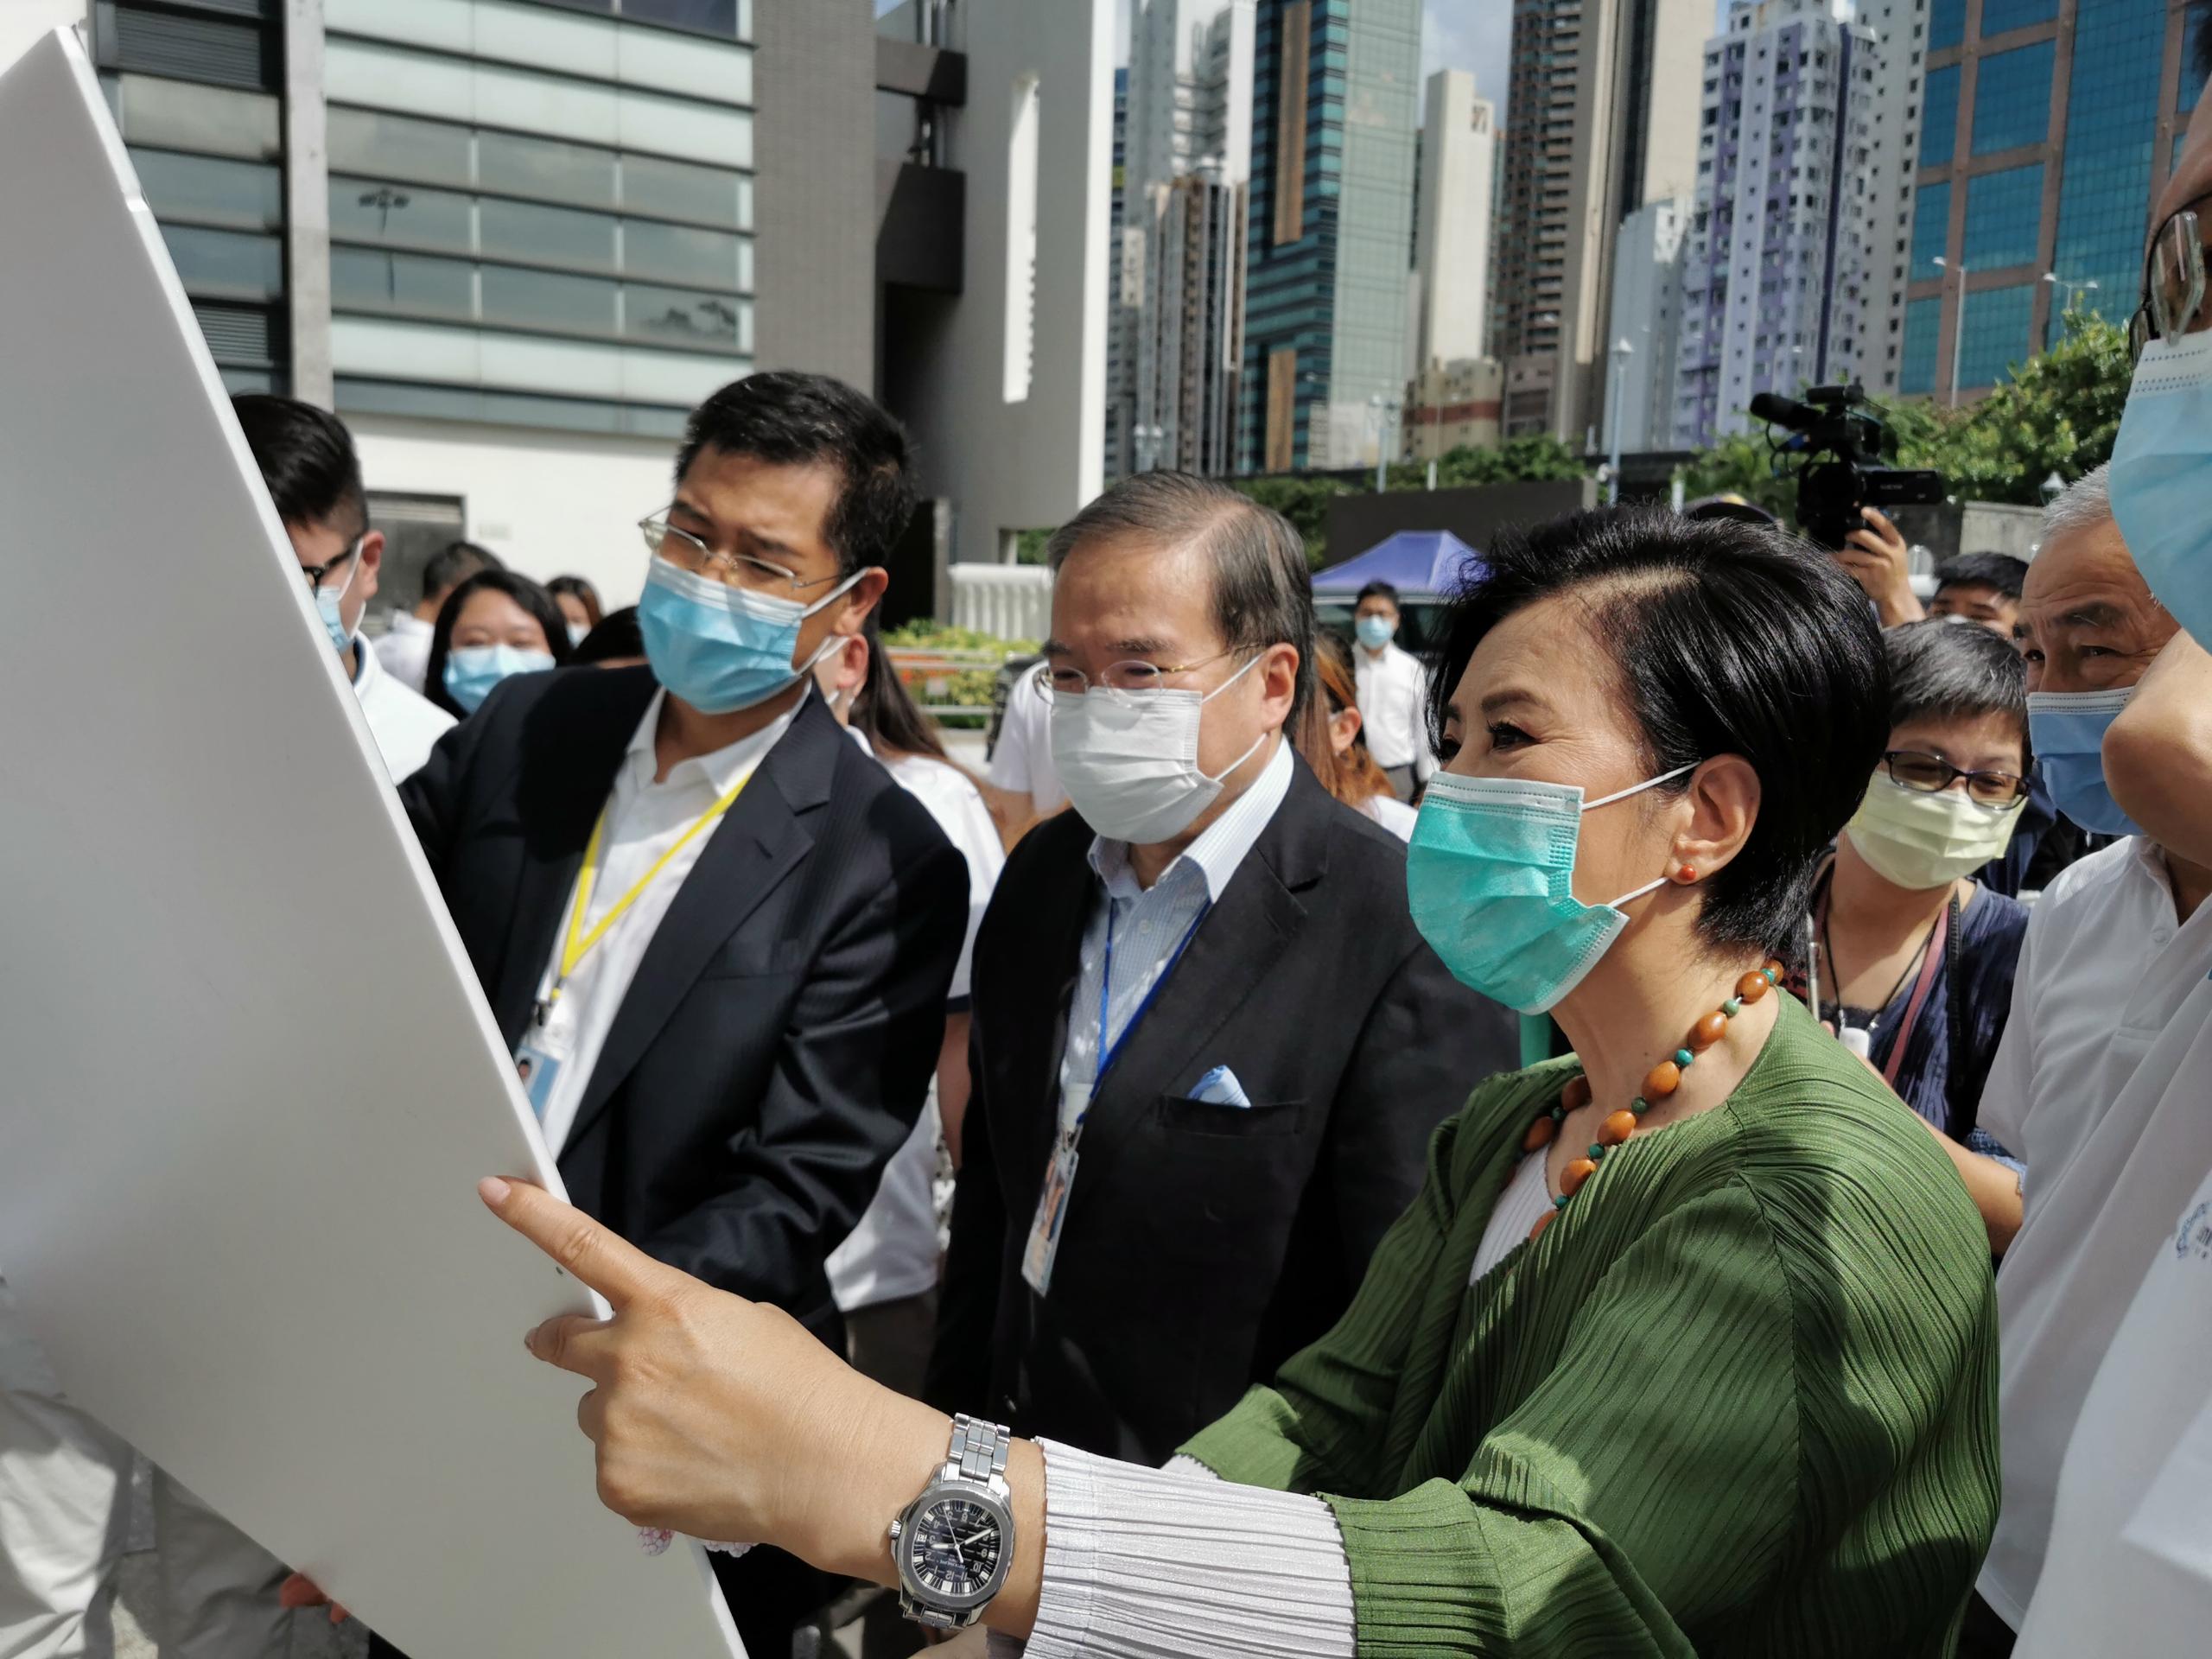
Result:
pixel 1419 564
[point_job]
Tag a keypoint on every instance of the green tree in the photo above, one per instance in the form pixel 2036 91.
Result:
pixel 1304 499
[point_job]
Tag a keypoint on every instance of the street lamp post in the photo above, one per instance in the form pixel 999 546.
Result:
pixel 2071 289
pixel 1958 326
pixel 1386 410
pixel 1622 351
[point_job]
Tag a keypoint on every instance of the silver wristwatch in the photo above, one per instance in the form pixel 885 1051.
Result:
pixel 955 1541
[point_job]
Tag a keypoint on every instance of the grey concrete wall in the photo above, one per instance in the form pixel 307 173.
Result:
pixel 813 206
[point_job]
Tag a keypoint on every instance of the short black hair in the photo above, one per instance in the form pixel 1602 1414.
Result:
pixel 530 595
pixel 455 563
pixel 1939 667
pixel 1999 570
pixel 617 639
pixel 1262 589
pixel 1727 639
pixel 1377 589
pixel 307 460
pixel 792 419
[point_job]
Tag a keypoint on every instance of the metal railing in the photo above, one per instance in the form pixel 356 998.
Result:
pixel 1009 602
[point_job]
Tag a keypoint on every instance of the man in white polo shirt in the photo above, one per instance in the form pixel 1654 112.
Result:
pixel 1393 690
pixel 2082 1089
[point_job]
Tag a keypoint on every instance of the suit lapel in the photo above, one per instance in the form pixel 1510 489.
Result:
pixel 568 772
pixel 760 840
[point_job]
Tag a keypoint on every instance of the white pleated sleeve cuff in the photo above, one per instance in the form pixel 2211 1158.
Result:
pixel 1175 1564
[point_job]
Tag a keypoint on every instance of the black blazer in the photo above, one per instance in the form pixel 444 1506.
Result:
pixel 1203 1245
pixel 777 1043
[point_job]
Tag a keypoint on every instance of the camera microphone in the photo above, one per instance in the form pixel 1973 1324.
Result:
pixel 1773 407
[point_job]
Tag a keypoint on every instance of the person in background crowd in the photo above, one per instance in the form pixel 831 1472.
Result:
pixel 1912 962
pixel 1330 742
pixel 1983 588
pixel 1021 770
pixel 579 603
pixel 1880 561
pixel 886 1274
pixel 1722 1385
pixel 719 935
pixel 2069 815
pixel 405 647
pixel 1392 692
pixel 307 460
pixel 617 642
pixel 2126 1570
pixel 2083 1090
pixel 1205 897
pixel 495 624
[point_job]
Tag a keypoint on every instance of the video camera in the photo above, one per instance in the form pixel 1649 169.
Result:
pixel 1840 441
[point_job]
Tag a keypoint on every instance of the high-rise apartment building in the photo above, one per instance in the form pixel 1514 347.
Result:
pixel 2047 127
pixel 1189 149
pixel 1647 317
pixel 1122 294
pixel 1774 275
pixel 1602 116
pixel 1452 222
pixel 1899 48
pixel 1330 220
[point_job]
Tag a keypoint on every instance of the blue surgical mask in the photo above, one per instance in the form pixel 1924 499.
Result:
pixel 1490 879
pixel 1375 631
pixel 2067 729
pixel 326 606
pixel 2162 478
pixel 720 648
pixel 472 670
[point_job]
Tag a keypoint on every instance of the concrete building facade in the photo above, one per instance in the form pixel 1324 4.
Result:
pixel 1603 107
pixel 1647 314
pixel 1451 406
pixel 1451 221
pixel 1329 223
pixel 1774 276
pixel 2047 126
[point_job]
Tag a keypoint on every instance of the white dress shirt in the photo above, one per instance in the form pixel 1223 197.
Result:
pixel 892 1252
pixel 2129 1569
pixel 2091 1090
pixel 644 820
pixel 405 649
pixel 1392 814
pixel 1022 762
pixel 1393 708
pixel 405 725
pixel 1150 924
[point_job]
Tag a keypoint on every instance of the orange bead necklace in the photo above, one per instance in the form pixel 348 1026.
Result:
pixel 1659 1083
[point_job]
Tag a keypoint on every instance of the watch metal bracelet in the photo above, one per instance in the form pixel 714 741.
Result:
pixel 974 1470
pixel 979 1449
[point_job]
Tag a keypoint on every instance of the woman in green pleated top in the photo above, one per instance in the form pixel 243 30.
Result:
pixel 1687 1345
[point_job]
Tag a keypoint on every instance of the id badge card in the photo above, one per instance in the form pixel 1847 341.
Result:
pixel 1053 1205
pixel 538 1059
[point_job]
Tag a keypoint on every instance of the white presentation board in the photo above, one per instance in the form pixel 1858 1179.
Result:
pixel 247 1081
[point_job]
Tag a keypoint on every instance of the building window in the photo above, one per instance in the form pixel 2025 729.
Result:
pixel 1939 116
pixel 2004 218
pixel 1021 242
pixel 1924 321
pixel 1999 15
pixel 2011 99
pixel 1997 324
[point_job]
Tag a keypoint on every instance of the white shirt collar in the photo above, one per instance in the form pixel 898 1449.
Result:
pixel 718 770
pixel 406 622
pixel 1220 848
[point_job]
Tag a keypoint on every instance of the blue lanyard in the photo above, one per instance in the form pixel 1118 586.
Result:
pixel 1108 1053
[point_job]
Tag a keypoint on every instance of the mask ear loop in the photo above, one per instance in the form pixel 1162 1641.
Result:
pixel 1622 795
pixel 1215 692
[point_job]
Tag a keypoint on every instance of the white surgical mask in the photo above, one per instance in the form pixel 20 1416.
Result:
pixel 1130 760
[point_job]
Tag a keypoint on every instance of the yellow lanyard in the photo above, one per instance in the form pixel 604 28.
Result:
pixel 577 942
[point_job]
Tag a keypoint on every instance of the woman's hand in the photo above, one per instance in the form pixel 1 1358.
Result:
pixel 720 1418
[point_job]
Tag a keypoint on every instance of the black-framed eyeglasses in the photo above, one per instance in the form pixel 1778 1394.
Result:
pixel 1931 774
pixel 687 552
pixel 2173 283
pixel 316 573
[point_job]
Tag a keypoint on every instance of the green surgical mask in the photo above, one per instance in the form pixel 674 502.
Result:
pixel 1919 840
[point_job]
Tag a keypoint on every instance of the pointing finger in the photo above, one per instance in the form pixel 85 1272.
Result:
pixel 610 1265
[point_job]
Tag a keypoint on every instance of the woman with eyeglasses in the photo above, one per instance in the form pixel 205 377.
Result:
pixel 1907 958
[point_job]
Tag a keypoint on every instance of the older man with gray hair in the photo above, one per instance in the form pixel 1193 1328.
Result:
pixel 1209 1046
pixel 2082 1086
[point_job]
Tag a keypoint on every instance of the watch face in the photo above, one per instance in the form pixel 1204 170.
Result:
pixel 953 1548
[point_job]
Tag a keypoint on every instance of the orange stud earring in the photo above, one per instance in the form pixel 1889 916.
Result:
pixel 1686 875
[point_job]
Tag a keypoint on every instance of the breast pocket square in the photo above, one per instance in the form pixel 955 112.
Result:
pixel 1219 1087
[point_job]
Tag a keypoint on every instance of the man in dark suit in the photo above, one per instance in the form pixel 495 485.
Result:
pixel 1209 1047
pixel 718 934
